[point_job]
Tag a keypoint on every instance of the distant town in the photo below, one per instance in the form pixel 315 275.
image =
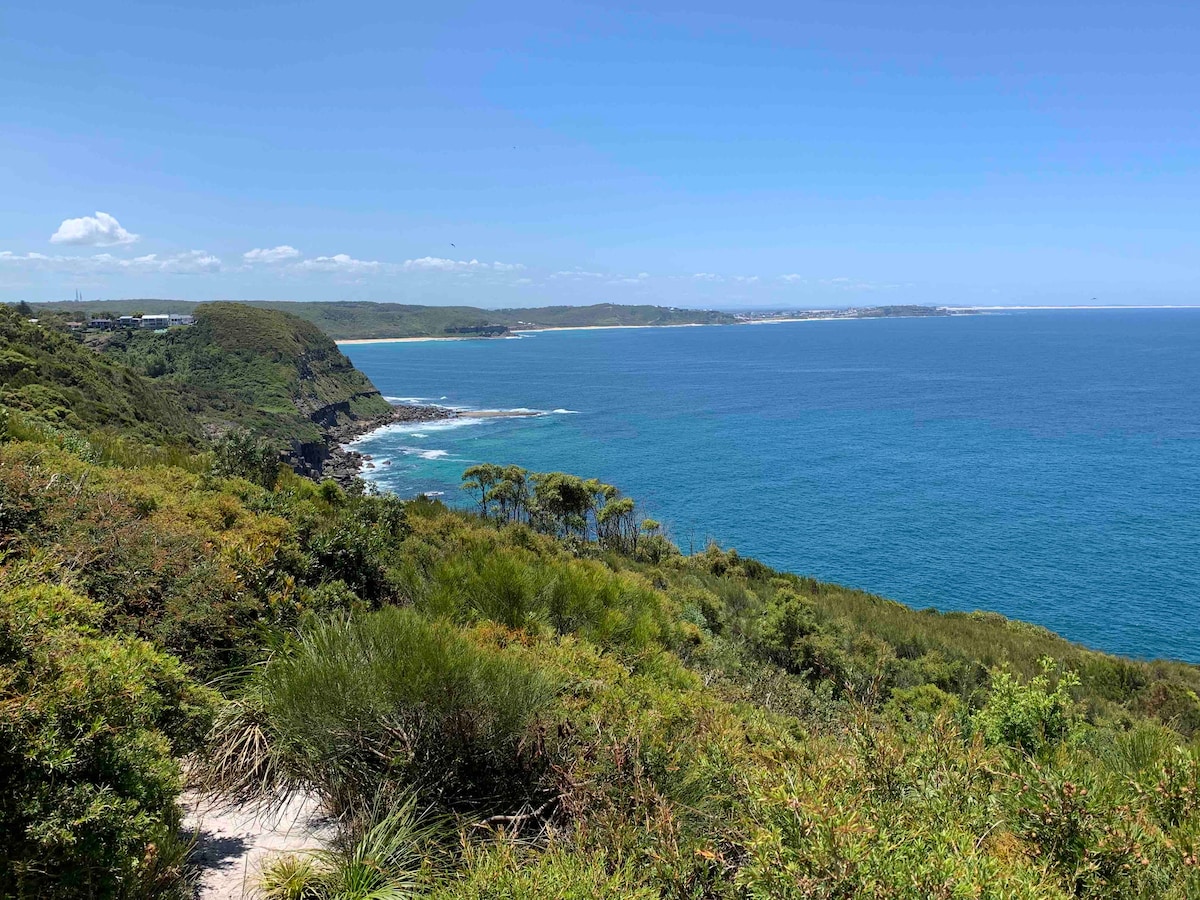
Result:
pixel 147 322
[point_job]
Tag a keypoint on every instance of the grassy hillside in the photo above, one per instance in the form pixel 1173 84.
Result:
pixel 57 381
pixel 263 369
pixel 543 700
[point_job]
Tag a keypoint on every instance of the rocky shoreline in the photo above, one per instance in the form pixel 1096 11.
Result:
pixel 344 465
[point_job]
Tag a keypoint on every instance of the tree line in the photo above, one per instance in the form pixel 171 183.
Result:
pixel 564 505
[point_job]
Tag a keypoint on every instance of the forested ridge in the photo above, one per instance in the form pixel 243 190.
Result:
pixel 542 697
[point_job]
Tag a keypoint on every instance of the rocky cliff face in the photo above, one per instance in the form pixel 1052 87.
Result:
pixel 342 463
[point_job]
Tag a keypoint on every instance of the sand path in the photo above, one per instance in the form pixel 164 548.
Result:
pixel 234 841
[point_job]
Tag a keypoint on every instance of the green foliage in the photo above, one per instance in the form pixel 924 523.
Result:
pixel 391 698
pixel 240 455
pixel 1031 716
pixel 53 379
pixel 565 506
pixel 90 729
pixel 506 871
pixel 264 370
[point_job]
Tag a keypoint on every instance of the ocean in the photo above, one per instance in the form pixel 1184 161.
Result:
pixel 1044 465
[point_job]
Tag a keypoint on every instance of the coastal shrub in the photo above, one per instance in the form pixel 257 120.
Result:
pixel 353 551
pixel 507 870
pixel 390 698
pixel 524 590
pixel 239 454
pixel 1029 716
pixel 90 731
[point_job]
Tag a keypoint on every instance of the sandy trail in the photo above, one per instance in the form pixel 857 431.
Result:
pixel 234 841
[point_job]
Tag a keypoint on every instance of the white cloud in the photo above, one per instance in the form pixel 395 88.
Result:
pixel 100 230
pixel 577 274
pixel 191 262
pixel 441 264
pixel 282 253
pixel 706 276
pixel 182 263
pixel 636 279
pixel 746 279
pixel 340 262
pixel 793 277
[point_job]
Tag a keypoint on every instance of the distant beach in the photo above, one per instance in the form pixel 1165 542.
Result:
pixel 421 339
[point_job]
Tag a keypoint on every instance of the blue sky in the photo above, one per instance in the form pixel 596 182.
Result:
pixel 713 154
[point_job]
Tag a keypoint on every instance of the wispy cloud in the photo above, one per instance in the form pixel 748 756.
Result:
pixel 190 262
pixel 441 264
pixel 640 278
pixel 792 278
pixel 707 276
pixel 339 262
pixel 100 230
pixel 282 253
pixel 181 263
pixel 577 274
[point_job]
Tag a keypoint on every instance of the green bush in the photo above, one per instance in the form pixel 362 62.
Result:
pixel 90 730
pixel 390 700
pixel 1030 716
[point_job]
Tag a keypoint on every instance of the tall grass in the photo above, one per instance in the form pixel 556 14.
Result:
pixel 388 700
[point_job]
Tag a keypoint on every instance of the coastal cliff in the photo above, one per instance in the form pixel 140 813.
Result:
pixel 263 370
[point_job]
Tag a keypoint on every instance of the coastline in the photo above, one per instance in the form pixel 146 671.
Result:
pixel 400 340
pixel 405 340
pixel 345 463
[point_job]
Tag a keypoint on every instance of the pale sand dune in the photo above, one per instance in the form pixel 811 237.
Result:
pixel 233 841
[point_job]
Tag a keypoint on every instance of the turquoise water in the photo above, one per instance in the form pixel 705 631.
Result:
pixel 1043 465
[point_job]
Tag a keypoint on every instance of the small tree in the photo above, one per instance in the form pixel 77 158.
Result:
pixel 1028 717
pixel 562 503
pixel 241 455
pixel 481 481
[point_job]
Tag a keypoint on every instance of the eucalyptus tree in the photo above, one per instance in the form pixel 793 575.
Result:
pixel 481 481
pixel 561 503
pixel 512 494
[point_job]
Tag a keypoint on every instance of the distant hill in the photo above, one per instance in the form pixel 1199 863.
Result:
pixel 347 320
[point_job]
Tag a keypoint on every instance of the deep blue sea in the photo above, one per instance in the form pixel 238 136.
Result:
pixel 1045 465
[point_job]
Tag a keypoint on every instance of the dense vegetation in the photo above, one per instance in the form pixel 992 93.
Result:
pixel 67 385
pixel 273 373
pixel 541 699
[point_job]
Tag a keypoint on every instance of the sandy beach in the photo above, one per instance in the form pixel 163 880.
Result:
pixel 405 340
